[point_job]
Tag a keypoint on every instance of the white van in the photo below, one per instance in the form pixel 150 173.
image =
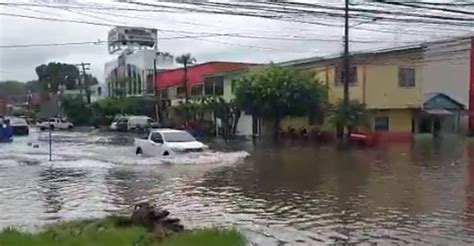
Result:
pixel 139 122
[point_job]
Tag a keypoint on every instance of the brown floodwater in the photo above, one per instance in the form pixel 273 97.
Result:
pixel 286 194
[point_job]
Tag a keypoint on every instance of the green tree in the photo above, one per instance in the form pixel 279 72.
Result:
pixel 14 90
pixel 275 92
pixel 33 86
pixel 76 110
pixel 353 117
pixel 228 112
pixel 53 74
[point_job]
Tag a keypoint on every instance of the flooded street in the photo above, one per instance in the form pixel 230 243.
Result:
pixel 419 193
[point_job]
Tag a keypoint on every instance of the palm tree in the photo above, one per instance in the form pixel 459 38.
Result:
pixel 185 60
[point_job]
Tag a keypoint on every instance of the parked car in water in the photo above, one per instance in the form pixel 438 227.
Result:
pixel 121 125
pixel 19 126
pixel 113 125
pixel 55 123
pixel 136 123
pixel 166 142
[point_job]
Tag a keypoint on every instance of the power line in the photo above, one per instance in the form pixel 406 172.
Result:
pixel 58 19
pixel 187 32
pixel 281 18
pixel 216 34
pixel 275 18
pixel 456 4
pixel 284 5
pixel 253 46
pixel 224 9
pixel 77 7
pixel 457 11
pixel 50 44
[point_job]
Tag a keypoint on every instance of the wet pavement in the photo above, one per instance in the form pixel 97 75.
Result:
pixel 288 194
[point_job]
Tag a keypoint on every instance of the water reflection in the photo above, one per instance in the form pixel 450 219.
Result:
pixel 421 193
pixel 470 190
pixel 130 186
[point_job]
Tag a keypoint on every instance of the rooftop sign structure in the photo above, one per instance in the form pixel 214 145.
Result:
pixel 131 38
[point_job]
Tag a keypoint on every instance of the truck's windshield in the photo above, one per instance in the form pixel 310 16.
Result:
pixel 178 137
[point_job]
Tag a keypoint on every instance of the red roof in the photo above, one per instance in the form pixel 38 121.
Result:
pixel 196 73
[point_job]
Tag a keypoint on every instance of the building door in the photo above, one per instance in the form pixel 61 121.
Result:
pixel 436 126
pixel 425 125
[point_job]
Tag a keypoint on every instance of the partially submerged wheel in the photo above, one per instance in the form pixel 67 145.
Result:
pixel 166 153
pixel 139 151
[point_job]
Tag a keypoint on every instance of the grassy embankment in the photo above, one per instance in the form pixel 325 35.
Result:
pixel 114 231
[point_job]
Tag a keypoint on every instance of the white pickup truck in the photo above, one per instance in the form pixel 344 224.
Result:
pixel 166 142
pixel 55 123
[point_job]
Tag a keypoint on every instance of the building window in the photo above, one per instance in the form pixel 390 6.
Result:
pixel 197 90
pixel 406 77
pixel 214 86
pixel 339 79
pixel 219 87
pixel 150 85
pixel 233 86
pixel 208 88
pixel 381 123
pixel 180 91
pixel 163 93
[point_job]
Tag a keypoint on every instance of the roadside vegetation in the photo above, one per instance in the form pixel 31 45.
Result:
pixel 275 92
pixel 115 231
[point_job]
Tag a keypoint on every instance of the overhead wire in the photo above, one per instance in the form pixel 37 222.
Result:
pixel 414 5
pixel 312 22
pixel 282 18
pixel 188 32
pixel 230 12
pixel 322 10
pixel 164 30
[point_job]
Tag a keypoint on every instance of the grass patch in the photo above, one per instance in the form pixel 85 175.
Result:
pixel 113 231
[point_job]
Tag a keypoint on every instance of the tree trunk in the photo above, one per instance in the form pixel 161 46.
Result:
pixel 348 134
pixel 276 127
pixel 254 125
pixel 237 115
pixel 225 129
pixel 340 132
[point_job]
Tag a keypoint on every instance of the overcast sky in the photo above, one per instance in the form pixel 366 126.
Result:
pixel 19 63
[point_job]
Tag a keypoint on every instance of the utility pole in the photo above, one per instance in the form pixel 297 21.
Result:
pixel 346 61
pixel 84 67
pixel 155 88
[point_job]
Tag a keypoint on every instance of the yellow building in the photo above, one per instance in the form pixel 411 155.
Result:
pixel 387 81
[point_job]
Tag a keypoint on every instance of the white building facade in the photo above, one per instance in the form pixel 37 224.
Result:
pixel 448 68
pixel 131 74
